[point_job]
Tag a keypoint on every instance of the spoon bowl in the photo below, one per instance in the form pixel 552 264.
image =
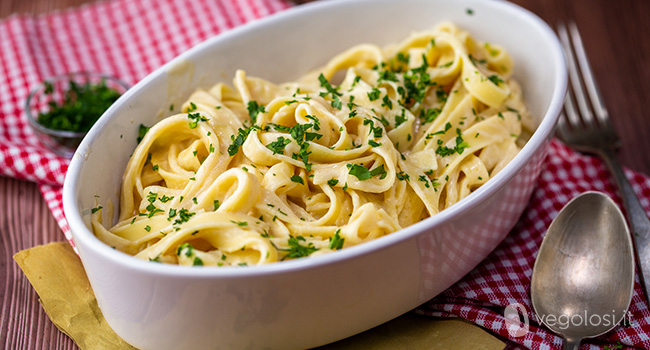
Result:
pixel 583 277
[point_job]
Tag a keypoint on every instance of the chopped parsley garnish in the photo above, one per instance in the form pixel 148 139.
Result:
pixel 165 198
pixel 387 76
pixel 401 57
pixel 238 140
pixel 311 136
pixel 254 109
pixel 142 130
pixel 332 182
pixel 427 115
pixel 316 124
pixel 441 132
pixel 326 84
pixel 416 83
pixel 495 79
pixel 195 119
pixel 278 145
pixel 386 102
pixel 299 133
pixel 402 176
pixel 303 155
pixel 297 179
pixel 96 209
pixel 336 241
pixel 401 118
pixel 336 101
pixel 297 250
pixel 459 148
pixel 424 179
pixel 515 111
pixel 80 107
pixel 441 94
pixel 351 106
pixel 183 216
pixel 151 208
pixel 362 173
pixel 476 61
pixel 239 223
pixel 187 247
pixel 374 94
pixel 377 131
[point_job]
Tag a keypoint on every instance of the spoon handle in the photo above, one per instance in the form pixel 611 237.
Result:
pixel 636 217
pixel 571 344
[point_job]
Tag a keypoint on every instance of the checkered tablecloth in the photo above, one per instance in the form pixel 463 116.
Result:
pixel 130 38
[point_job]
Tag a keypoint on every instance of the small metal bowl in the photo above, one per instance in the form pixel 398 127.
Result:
pixel 62 142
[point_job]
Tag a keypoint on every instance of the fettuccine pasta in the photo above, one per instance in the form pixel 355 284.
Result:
pixel 374 141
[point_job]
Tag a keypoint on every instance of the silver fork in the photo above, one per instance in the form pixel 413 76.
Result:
pixel 586 128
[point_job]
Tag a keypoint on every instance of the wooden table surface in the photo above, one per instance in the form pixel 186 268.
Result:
pixel 616 38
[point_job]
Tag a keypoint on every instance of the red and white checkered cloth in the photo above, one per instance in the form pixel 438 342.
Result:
pixel 130 38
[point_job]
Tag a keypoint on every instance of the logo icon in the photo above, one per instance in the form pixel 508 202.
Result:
pixel 517 322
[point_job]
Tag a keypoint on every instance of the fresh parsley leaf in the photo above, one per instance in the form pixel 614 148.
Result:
pixel 336 241
pixel 183 216
pixel 362 173
pixel 402 176
pixel 187 247
pixel 195 119
pixel 278 145
pixel 297 250
pixel 237 141
pixel 495 79
pixel 374 94
pixel 297 179
pixel 254 109
pixel 142 130
pixel 401 118
pixel 374 143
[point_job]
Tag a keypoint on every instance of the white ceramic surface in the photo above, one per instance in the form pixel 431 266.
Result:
pixel 306 302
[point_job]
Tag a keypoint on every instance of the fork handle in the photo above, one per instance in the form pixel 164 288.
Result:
pixel 636 217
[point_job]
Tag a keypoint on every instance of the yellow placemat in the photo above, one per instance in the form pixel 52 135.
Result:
pixel 414 332
pixel 56 273
pixel 58 277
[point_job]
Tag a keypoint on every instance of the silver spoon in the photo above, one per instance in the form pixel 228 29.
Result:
pixel 584 273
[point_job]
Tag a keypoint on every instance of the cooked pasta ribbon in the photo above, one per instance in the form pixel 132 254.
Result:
pixel 374 141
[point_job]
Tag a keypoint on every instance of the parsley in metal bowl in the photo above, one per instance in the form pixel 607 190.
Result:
pixel 63 108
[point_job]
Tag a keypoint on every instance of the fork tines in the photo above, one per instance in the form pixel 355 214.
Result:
pixel 583 105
